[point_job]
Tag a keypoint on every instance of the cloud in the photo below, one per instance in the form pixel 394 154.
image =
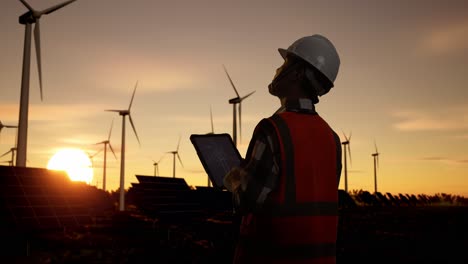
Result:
pixel 121 71
pixel 444 159
pixel 49 112
pixel 440 119
pixel 464 136
pixel 450 39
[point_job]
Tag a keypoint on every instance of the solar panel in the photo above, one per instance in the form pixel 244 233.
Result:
pixel 41 199
pixel 164 197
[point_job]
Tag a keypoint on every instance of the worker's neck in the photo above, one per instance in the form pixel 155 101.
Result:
pixel 283 100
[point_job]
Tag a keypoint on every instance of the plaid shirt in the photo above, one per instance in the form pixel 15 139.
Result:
pixel 262 163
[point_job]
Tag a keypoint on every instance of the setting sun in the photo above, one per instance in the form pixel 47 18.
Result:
pixel 75 162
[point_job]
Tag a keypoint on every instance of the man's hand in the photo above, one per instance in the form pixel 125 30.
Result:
pixel 232 180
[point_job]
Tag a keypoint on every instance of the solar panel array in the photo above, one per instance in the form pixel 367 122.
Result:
pixel 164 197
pixel 39 199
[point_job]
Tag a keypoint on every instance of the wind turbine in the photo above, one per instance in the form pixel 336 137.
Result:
pixel 12 151
pixel 211 118
pixel 346 147
pixel 6 126
pixel 376 165
pixel 155 164
pixel 106 142
pixel 27 19
pixel 236 101
pixel 91 156
pixel 210 133
pixel 125 113
pixel 174 154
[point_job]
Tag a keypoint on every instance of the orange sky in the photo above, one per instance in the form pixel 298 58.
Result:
pixel 402 81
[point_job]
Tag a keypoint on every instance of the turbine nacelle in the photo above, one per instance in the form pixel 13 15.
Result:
pixel 29 18
pixel 121 112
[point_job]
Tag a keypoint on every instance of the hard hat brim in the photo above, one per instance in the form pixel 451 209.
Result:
pixel 284 53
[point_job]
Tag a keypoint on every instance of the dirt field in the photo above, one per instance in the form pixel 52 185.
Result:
pixel 423 234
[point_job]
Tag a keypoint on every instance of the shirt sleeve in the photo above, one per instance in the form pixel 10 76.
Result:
pixel 261 167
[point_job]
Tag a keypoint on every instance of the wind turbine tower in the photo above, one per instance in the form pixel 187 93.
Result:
pixel 212 132
pixel 27 19
pixel 174 154
pixel 346 148
pixel 124 113
pixel 376 165
pixel 211 118
pixel 105 143
pixel 236 101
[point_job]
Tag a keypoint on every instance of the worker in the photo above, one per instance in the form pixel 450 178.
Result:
pixel 286 188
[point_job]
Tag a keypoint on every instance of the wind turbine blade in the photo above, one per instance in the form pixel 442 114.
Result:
pixel 58 6
pixel 11 126
pixel 134 130
pixel 110 146
pixel 230 80
pixel 27 5
pixel 346 138
pixel 160 159
pixel 375 145
pixel 179 159
pixel 37 39
pixel 211 118
pixel 350 133
pixel 113 110
pixel 377 157
pixel 178 144
pixel 133 95
pixel 110 131
pixel 242 98
pixel 6 153
pixel 93 155
pixel 240 121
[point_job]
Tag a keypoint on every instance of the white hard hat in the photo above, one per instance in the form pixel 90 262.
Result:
pixel 319 52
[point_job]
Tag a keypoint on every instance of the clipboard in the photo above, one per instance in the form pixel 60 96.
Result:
pixel 218 155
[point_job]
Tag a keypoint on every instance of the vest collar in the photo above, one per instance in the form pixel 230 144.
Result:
pixel 302 105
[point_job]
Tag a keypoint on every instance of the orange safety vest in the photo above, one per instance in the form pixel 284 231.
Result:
pixel 299 220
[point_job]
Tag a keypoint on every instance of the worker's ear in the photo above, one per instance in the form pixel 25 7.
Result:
pixel 299 73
